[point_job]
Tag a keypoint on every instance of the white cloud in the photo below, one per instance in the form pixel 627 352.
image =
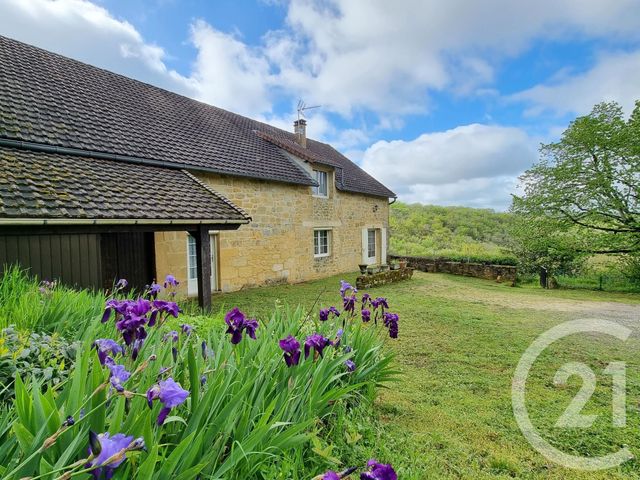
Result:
pixel 348 55
pixel 88 32
pixel 614 77
pixel 387 56
pixel 228 73
pixel 473 164
pixel 490 192
pixel 465 152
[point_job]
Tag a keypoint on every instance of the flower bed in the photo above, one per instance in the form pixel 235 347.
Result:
pixel 151 396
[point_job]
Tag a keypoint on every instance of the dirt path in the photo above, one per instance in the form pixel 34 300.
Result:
pixel 500 295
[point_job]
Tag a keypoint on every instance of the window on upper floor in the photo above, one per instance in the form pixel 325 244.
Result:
pixel 321 243
pixel 322 190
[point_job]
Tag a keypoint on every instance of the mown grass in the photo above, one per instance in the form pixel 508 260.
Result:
pixel 450 414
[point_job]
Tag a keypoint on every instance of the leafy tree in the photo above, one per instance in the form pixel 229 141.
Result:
pixel 539 244
pixel 583 195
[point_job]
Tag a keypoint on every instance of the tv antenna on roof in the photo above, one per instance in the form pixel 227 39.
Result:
pixel 302 107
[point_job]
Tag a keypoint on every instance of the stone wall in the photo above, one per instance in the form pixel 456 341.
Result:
pixel 382 278
pixel 277 246
pixel 500 273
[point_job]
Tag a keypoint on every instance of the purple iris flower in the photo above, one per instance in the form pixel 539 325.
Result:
pixel 237 323
pixel 104 446
pixel 107 347
pixel 163 307
pixel 170 280
pixel 46 286
pixel 251 326
pixel 152 394
pixel 154 290
pixel 172 335
pixel 380 302
pixel 131 317
pixel 366 314
pixel 325 312
pixel 345 286
pixel 316 342
pixel 349 303
pixel 291 348
pixel 330 475
pixel 206 351
pixel 170 394
pixel 122 283
pixel 379 471
pixel 111 305
pixel 391 322
pixel 351 366
pixel 366 299
pixel 203 380
pixel 186 329
pixel 137 345
pixel 119 375
pixel 336 342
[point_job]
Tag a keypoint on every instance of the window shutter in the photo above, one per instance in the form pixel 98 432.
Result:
pixel 365 243
pixel 383 246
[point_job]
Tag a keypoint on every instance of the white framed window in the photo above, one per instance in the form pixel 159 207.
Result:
pixel 191 258
pixel 371 243
pixel 192 265
pixel 321 243
pixel 322 190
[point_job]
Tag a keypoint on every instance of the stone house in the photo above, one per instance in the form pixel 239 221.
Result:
pixel 281 207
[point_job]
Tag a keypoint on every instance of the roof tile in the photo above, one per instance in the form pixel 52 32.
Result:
pixel 65 186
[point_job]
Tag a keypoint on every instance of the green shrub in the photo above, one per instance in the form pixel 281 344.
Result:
pixel 47 358
pixel 487 259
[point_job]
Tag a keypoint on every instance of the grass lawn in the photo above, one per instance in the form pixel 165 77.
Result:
pixel 449 414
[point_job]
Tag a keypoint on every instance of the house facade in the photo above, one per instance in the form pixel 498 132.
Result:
pixel 215 198
pixel 295 234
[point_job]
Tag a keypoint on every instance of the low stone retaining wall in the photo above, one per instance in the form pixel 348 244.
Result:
pixel 499 273
pixel 382 278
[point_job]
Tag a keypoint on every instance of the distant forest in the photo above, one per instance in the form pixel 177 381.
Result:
pixel 454 232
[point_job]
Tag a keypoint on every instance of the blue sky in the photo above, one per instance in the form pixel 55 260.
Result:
pixel 445 102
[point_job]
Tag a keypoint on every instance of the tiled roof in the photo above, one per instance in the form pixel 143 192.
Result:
pixel 54 186
pixel 350 177
pixel 50 99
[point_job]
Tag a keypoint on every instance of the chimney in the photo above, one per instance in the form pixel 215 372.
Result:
pixel 300 129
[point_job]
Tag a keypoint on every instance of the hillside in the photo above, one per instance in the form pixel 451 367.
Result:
pixel 447 231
